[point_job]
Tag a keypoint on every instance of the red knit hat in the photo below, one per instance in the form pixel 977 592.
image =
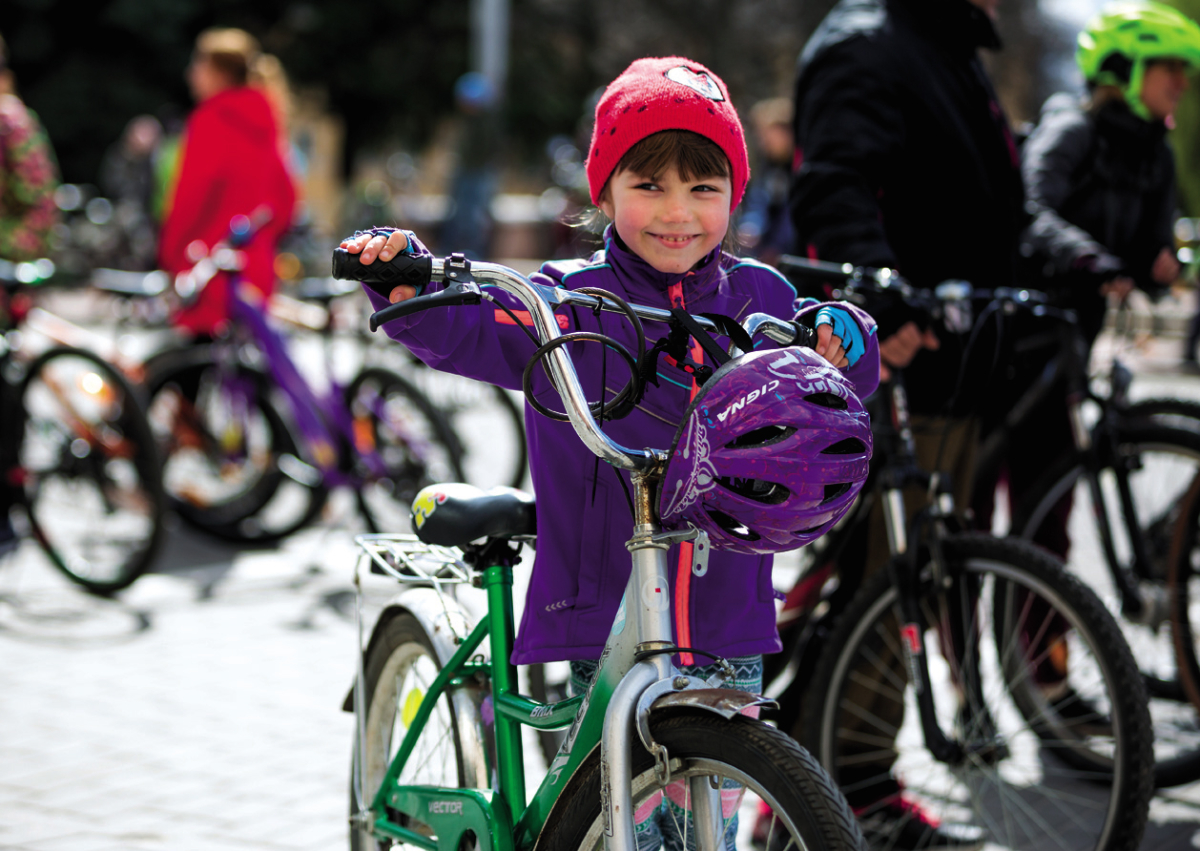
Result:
pixel 669 93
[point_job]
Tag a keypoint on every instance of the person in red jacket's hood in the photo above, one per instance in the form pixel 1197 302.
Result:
pixel 229 165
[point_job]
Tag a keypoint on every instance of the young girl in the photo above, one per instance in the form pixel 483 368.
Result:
pixel 667 165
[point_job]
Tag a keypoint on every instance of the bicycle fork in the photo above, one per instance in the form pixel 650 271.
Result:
pixel 651 677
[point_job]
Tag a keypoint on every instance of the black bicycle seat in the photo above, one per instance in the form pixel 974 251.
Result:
pixel 452 515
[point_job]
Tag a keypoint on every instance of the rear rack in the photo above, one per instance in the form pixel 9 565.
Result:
pixel 407 559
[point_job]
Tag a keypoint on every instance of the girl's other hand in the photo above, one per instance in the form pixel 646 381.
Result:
pixel 829 347
pixel 372 247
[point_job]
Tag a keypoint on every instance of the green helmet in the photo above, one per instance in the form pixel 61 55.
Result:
pixel 1114 47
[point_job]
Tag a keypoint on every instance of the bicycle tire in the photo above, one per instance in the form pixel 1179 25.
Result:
pixel 92 479
pixel 1179 413
pixel 396 422
pixel 1166 460
pixel 399 666
pixel 489 424
pixel 1013 764
pixel 228 475
pixel 805 808
pixel 1185 571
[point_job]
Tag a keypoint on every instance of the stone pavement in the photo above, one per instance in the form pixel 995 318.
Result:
pixel 202 709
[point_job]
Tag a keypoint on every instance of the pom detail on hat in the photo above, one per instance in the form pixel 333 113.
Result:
pixel 670 93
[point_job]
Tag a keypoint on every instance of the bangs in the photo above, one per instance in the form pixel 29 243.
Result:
pixel 693 156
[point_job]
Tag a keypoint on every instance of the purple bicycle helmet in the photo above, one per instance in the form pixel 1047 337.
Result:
pixel 770 454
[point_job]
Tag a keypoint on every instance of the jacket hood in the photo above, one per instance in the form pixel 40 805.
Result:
pixel 954 25
pixel 244 110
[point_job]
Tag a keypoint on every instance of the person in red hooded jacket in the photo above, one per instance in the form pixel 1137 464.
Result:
pixel 230 164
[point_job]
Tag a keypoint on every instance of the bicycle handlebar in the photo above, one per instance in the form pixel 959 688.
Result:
pixel 857 281
pixel 465 278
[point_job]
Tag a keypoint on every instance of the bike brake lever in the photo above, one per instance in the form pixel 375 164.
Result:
pixel 460 292
pixel 462 289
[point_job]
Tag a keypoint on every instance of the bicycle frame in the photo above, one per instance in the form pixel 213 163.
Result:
pixel 322 421
pixel 635 670
pixel 1094 444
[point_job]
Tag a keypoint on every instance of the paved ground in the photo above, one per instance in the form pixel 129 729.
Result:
pixel 202 709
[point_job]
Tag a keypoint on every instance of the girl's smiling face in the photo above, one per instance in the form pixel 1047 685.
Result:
pixel 669 222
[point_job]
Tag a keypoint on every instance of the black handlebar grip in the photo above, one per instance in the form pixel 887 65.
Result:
pixel 805 336
pixel 383 276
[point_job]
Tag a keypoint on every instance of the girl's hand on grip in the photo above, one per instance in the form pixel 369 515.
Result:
pixel 370 247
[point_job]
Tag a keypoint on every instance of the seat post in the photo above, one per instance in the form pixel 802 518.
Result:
pixel 498 583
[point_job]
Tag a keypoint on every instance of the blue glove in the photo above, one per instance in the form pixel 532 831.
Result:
pixel 845 327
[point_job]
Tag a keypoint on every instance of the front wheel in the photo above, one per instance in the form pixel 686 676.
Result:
pixel 230 465
pixel 773 794
pixel 1157 462
pixel 1031 679
pixel 92 483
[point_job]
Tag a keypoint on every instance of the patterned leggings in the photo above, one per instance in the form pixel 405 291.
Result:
pixel 663 820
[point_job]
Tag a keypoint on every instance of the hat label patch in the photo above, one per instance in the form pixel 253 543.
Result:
pixel 698 82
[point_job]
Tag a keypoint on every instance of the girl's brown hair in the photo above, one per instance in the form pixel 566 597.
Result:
pixel 233 52
pixel 693 156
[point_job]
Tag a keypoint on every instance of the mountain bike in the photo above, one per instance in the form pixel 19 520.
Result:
pixel 80 459
pixel 934 676
pixel 438 760
pixel 251 449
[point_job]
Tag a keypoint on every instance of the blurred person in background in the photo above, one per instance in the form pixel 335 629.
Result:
pixel 1099 174
pixel 766 224
pixel 904 159
pixel 28 178
pixel 230 163
pixel 1100 179
pixel 127 179
pixel 469 227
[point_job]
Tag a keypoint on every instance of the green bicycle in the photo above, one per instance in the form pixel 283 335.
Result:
pixel 438 761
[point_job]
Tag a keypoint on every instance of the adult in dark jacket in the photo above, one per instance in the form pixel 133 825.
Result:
pixel 1099 173
pixel 905 159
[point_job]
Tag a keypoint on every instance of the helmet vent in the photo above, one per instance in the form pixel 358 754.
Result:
pixel 765 436
pixel 768 493
pixel 832 492
pixel 732 527
pixel 800 533
pixel 849 446
pixel 827 400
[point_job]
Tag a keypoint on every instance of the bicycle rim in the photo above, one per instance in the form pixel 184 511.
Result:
pixel 1164 462
pixel 400 667
pixel 92 489
pixel 773 794
pixel 402 444
pixel 1035 775
pixel 230 464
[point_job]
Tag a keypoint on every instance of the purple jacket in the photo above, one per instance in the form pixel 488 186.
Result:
pixel 583 518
